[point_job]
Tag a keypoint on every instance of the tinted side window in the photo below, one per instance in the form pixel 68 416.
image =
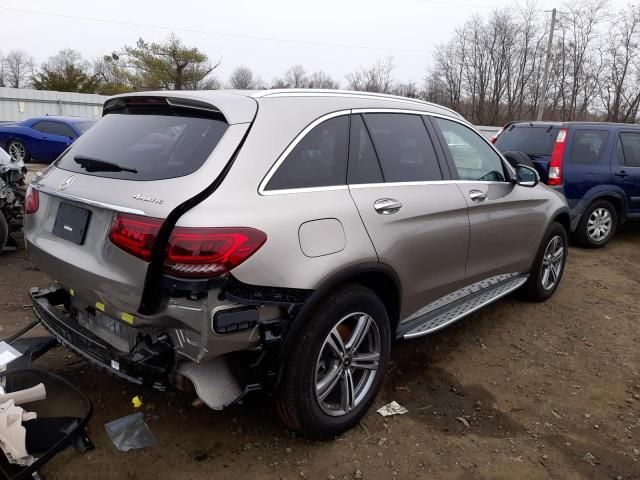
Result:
pixel 631 149
pixel 40 127
pixel 588 146
pixel 473 157
pixel 55 128
pixel 403 146
pixel 318 160
pixel 363 161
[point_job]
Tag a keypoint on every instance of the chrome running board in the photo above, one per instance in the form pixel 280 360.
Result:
pixel 446 315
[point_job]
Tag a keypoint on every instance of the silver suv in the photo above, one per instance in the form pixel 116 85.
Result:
pixel 280 241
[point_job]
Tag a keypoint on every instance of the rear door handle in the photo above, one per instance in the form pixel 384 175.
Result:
pixel 621 173
pixel 387 206
pixel 477 196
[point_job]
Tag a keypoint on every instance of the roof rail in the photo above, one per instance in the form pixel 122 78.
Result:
pixel 301 92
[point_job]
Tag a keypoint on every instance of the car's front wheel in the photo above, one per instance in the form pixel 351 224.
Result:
pixel 337 364
pixel 18 151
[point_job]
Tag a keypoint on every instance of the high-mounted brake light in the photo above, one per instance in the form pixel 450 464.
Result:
pixel 555 166
pixel 135 234
pixel 210 251
pixel 31 201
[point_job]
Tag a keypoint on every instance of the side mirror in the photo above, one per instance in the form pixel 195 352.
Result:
pixel 527 176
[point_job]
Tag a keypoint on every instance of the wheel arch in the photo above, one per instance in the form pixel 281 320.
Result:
pixel 378 277
pixel 616 198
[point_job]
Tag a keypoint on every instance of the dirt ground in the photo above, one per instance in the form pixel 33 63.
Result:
pixel 545 390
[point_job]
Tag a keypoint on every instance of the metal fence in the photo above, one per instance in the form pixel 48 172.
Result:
pixel 22 103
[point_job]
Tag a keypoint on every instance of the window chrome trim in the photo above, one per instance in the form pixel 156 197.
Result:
pixel 424 182
pixel 94 203
pixel 263 184
pixel 354 111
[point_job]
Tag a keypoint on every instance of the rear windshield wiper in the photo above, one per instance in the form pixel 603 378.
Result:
pixel 96 165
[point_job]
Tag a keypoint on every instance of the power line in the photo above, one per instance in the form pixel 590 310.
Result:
pixel 458 4
pixel 219 34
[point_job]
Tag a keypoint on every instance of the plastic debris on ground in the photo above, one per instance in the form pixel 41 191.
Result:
pixel 136 401
pixel 130 432
pixel 7 354
pixel 393 408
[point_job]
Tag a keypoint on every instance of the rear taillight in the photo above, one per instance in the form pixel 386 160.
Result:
pixel 31 201
pixel 555 166
pixel 207 252
pixel 135 234
pixel 191 251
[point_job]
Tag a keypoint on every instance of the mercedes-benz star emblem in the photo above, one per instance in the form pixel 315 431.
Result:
pixel 66 182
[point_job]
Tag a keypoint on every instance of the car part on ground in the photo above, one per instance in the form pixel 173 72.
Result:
pixel 591 163
pixel 12 194
pixel 278 241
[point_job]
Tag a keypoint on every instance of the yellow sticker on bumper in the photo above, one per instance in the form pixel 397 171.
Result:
pixel 100 306
pixel 127 317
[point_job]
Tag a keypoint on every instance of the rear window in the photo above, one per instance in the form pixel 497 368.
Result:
pixel 536 141
pixel 82 127
pixel 145 146
pixel 403 146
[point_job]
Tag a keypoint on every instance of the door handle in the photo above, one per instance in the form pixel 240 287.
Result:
pixel 621 173
pixel 387 206
pixel 477 196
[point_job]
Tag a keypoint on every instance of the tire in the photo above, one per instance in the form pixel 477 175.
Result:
pixel 312 360
pixel 4 232
pixel 538 287
pixel 598 212
pixel 15 146
pixel 518 158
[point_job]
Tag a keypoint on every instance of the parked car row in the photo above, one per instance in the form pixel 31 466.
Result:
pixel 595 165
pixel 42 139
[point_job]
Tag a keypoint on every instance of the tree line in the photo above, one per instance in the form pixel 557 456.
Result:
pixel 490 70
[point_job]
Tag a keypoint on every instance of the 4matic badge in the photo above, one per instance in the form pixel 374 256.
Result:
pixel 144 198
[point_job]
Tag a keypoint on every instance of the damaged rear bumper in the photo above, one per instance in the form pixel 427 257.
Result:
pixel 148 367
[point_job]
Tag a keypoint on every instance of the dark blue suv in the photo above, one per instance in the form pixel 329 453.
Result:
pixel 596 165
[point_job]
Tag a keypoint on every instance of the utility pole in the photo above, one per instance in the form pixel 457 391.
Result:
pixel 545 78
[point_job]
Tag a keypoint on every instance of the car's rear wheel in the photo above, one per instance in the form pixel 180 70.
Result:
pixel 598 224
pixel 18 151
pixel 337 364
pixel 548 266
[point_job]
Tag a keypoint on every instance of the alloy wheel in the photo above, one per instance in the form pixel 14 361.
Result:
pixel 347 364
pixel 17 151
pixel 599 224
pixel 552 262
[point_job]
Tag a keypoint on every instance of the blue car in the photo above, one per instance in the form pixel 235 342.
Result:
pixel 43 138
pixel 595 164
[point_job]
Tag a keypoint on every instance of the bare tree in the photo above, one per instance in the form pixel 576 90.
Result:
pixel 620 92
pixel 242 78
pixel 296 77
pixel 321 79
pixel 18 66
pixel 374 78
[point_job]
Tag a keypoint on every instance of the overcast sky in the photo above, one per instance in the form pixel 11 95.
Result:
pixel 267 36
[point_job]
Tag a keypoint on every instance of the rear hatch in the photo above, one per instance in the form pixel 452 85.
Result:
pixel 148 155
pixel 535 139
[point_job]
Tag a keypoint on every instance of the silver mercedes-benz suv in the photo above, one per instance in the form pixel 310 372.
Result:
pixel 280 241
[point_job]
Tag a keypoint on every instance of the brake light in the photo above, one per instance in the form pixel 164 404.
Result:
pixel 207 252
pixel 555 166
pixel 31 201
pixel 135 234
